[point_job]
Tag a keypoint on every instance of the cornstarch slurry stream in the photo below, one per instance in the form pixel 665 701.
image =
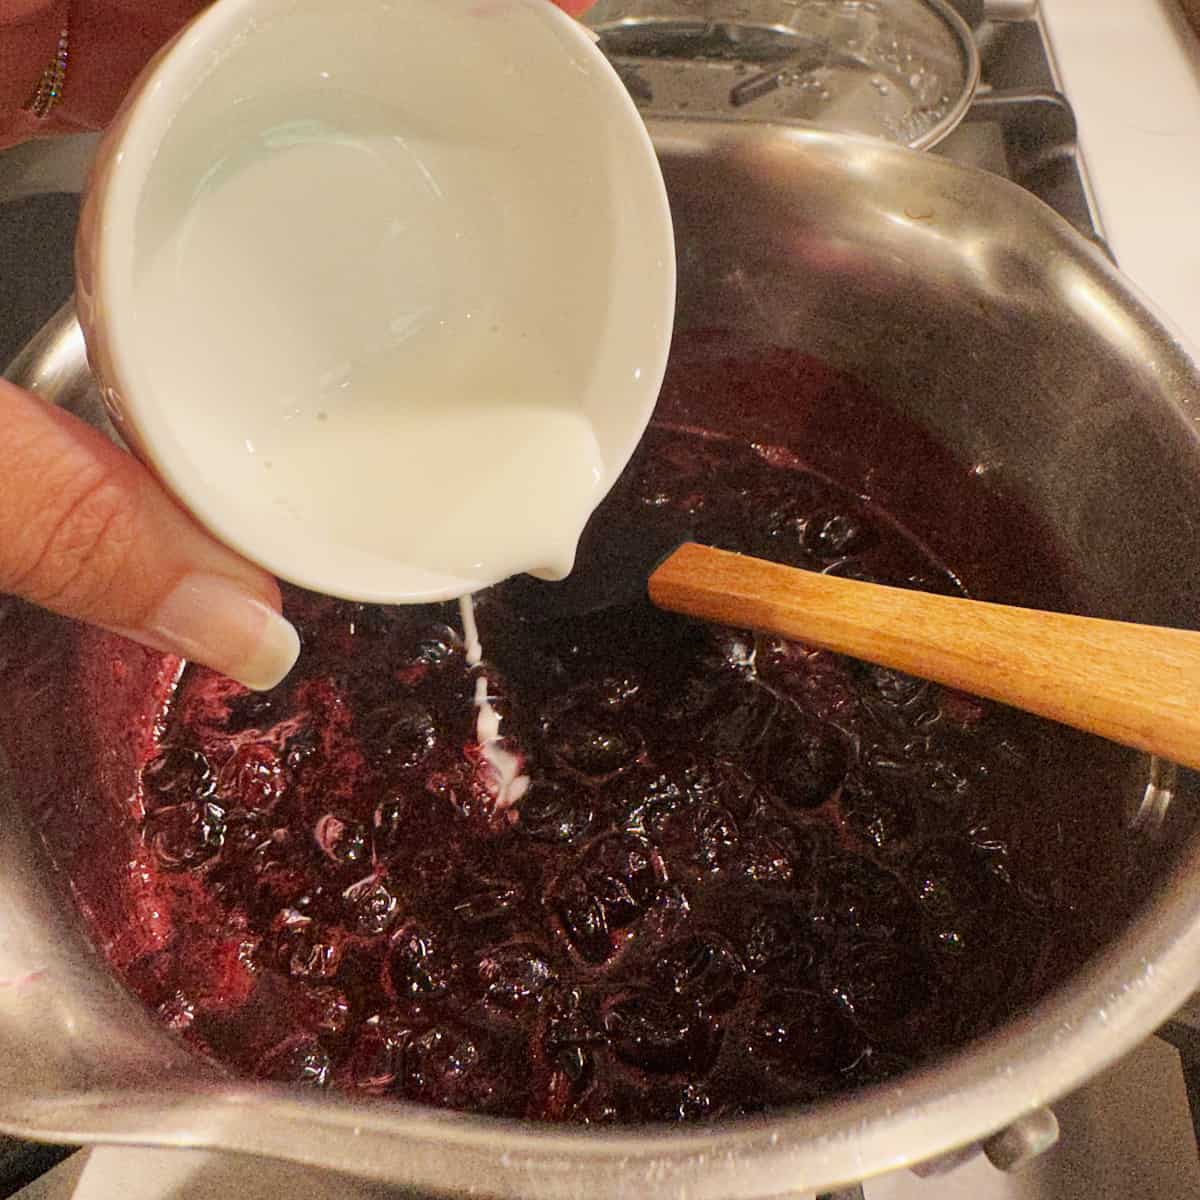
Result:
pixel 506 778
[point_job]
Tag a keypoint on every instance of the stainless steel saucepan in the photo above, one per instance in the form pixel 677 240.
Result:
pixel 978 313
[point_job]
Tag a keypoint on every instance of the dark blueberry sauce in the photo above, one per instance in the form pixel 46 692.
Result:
pixel 746 874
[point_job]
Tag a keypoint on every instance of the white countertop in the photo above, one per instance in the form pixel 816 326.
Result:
pixel 1131 69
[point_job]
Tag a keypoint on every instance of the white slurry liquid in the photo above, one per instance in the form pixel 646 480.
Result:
pixel 507 782
pixel 375 372
pixel 395 284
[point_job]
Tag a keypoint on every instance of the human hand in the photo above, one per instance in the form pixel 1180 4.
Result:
pixel 85 529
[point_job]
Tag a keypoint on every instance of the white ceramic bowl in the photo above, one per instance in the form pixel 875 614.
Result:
pixel 316 227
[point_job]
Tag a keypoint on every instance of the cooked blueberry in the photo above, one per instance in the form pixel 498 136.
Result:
pixel 377 1057
pixel 300 1061
pixel 879 983
pixel 177 1012
pixel 805 844
pixel 391 823
pixel 460 1068
pixel 659 1034
pixel 373 906
pixel 584 920
pixel 186 835
pixel 945 782
pixel 573 1019
pixel 323 1010
pixel 515 975
pixel 253 710
pixel 247 836
pixel 575 1062
pixel 300 748
pixel 766 860
pixel 618 691
pixel 853 893
pixel 704 969
pixel 737 720
pixel 252 778
pixel 317 902
pixel 949 880
pixel 176 774
pixel 689 1103
pixel 832 536
pixel 308 952
pixel 800 761
pixel 402 820
pixel 894 687
pixel 555 812
pixel 877 813
pixel 593 743
pixel 786 528
pixel 955 892
pixel 344 841
pixel 437 645
pixel 693 839
pixel 619 871
pixel 691 699
pixel 716 836
pixel 439 1065
pixel 481 900
pixel 731 649
pixel 800 1034
pixel 400 734
pixel 778 942
pixel 653 796
pixel 420 964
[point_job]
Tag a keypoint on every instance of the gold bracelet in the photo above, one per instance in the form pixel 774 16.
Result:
pixel 50 86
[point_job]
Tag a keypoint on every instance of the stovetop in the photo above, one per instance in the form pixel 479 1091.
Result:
pixel 1021 125
pixel 1130 1133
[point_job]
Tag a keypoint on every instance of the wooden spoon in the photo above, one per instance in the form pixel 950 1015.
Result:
pixel 1134 684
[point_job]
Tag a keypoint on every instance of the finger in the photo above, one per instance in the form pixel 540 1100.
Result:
pixel 86 531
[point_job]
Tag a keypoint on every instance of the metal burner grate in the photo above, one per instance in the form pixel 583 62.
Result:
pixel 1019 124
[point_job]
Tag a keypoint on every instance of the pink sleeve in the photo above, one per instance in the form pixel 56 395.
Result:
pixel 110 42
pixel 28 39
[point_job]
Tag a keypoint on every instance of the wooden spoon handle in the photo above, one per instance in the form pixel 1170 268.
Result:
pixel 1135 684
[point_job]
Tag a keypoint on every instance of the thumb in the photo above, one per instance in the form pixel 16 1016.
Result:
pixel 85 530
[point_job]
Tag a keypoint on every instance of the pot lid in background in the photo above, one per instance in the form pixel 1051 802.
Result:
pixel 903 70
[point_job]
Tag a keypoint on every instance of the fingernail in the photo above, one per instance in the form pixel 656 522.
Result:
pixel 214 621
